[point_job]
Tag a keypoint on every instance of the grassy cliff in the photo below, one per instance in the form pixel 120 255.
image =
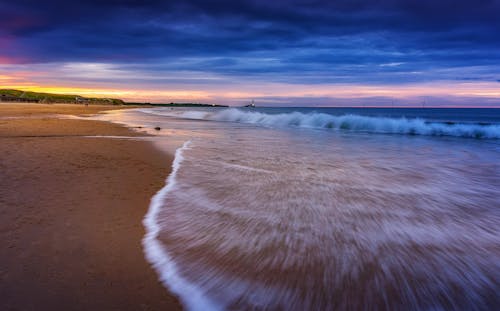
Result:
pixel 8 95
pixel 25 96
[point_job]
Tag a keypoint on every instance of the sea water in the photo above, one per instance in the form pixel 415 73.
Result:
pixel 327 209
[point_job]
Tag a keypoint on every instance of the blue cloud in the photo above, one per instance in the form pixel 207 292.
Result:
pixel 295 41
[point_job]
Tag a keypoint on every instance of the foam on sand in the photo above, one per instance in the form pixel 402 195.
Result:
pixel 191 296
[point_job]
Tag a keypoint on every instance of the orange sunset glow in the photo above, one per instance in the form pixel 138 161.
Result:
pixel 228 93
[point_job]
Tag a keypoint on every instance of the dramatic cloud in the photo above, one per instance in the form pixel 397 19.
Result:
pixel 197 42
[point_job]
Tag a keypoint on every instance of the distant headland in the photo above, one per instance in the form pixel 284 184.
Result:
pixel 9 95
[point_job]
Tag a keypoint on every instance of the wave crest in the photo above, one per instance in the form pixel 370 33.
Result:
pixel 348 122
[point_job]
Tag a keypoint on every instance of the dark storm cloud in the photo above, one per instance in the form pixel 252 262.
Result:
pixel 308 41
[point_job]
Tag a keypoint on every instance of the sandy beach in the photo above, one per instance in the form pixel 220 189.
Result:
pixel 71 212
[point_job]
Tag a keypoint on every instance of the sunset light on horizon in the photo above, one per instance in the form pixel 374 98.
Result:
pixel 233 93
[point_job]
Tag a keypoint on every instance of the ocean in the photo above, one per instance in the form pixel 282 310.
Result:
pixel 326 208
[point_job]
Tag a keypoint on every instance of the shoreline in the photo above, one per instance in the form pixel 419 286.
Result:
pixel 72 209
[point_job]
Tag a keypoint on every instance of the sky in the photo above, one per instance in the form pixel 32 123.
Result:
pixel 279 53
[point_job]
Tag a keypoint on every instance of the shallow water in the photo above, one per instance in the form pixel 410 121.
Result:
pixel 292 210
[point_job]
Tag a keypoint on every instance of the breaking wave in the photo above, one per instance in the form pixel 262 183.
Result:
pixel 348 122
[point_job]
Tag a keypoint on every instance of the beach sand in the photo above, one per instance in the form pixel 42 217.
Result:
pixel 71 211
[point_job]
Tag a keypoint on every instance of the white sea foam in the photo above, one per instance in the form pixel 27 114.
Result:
pixel 333 226
pixel 349 122
pixel 191 296
pixel 269 218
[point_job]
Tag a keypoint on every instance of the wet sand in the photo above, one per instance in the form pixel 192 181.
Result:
pixel 71 210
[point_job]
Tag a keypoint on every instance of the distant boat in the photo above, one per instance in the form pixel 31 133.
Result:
pixel 251 105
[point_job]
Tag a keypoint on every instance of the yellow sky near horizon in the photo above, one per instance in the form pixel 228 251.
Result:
pixel 246 91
